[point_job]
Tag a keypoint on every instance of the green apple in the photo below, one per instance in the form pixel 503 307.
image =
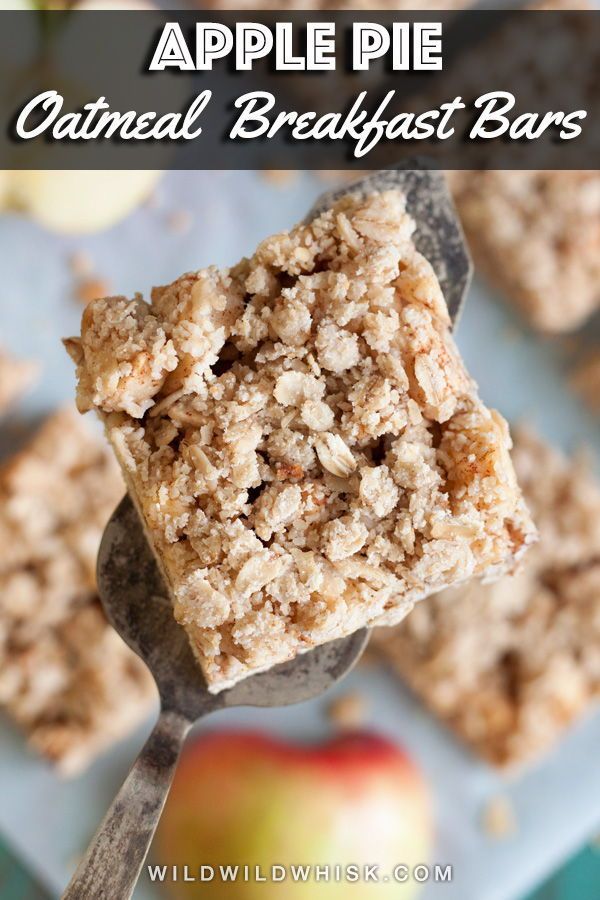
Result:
pixel 242 798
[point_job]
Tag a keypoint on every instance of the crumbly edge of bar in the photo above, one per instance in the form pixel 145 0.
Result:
pixel 474 521
pixel 509 666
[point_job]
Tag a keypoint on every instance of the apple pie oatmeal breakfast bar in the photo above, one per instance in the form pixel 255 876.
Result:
pixel 509 665
pixel 301 438
pixel 16 377
pixel 66 677
pixel 536 235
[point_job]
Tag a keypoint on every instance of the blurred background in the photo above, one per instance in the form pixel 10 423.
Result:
pixel 504 832
pixel 520 822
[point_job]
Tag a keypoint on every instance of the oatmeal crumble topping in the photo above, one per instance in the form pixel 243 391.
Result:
pixel 300 435
pixel 510 665
pixel 65 676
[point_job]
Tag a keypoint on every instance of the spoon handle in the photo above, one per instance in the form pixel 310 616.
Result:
pixel 113 861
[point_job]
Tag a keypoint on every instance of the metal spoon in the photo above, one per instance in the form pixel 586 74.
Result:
pixel 136 603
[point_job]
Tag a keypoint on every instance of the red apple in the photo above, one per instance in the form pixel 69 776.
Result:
pixel 241 798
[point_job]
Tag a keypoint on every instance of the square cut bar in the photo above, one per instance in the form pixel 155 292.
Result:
pixel 536 236
pixel 508 666
pixel 305 447
pixel 66 677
